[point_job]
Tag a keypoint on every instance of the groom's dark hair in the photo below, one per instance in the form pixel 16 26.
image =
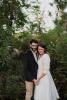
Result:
pixel 33 41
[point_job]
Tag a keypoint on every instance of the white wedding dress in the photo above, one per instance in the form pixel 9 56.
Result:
pixel 46 89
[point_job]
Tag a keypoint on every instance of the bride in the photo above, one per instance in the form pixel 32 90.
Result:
pixel 45 88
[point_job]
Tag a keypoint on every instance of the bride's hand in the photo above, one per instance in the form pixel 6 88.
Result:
pixel 37 82
pixel 34 81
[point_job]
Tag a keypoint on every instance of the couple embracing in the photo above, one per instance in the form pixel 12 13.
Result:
pixel 39 82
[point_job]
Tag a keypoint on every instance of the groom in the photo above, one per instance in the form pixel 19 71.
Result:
pixel 31 69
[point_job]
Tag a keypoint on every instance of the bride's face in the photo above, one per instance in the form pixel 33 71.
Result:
pixel 40 50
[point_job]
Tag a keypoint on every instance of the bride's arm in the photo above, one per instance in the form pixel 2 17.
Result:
pixel 39 78
pixel 45 66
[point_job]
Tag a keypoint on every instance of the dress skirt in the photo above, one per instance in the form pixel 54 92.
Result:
pixel 46 89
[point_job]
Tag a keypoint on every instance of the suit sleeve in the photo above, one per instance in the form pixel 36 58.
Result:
pixel 28 73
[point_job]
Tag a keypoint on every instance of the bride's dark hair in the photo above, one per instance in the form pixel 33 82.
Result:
pixel 43 45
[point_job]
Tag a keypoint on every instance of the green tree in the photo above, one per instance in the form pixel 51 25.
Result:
pixel 61 3
pixel 35 24
pixel 10 15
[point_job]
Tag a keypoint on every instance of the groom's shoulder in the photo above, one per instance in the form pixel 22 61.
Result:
pixel 28 53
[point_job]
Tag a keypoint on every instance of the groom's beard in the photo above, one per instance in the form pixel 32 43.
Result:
pixel 34 49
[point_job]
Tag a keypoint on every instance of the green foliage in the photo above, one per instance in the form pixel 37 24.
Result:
pixel 61 3
pixel 21 40
pixel 15 84
pixel 12 75
pixel 11 64
pixel 10 10
pixel 11 83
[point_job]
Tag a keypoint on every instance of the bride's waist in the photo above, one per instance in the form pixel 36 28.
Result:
pixel 40 73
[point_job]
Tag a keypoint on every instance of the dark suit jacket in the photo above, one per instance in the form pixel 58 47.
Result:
pixel 31 66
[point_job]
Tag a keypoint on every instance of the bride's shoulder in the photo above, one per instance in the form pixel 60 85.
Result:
pixel 46 55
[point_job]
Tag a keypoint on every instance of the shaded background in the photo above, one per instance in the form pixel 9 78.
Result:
pixel 14 45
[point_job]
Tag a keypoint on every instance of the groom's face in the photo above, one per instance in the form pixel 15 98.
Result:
pixel 33 46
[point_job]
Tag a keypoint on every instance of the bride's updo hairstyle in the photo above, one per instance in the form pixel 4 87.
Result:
pixel 43 45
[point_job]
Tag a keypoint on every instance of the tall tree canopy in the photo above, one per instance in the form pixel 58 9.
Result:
pixel 10 12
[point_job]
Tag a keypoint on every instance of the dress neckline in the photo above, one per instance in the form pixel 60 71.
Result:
pixel 41 56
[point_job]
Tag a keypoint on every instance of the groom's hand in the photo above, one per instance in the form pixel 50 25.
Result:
pixel 38 80
pixel 34 81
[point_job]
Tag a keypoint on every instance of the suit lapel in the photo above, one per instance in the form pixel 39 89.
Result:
pixel 33 56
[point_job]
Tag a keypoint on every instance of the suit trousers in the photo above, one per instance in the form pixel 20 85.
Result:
pixel 29 90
